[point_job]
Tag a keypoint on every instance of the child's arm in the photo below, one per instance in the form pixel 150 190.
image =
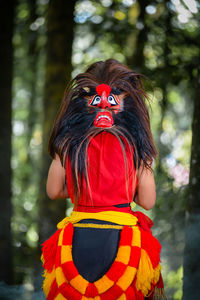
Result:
pixel 56 185
pixel 146 190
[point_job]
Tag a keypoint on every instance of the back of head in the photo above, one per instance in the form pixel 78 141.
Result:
pixel 75 123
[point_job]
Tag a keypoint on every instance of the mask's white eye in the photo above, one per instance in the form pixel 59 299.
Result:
pixel 111 100
pixel 96 100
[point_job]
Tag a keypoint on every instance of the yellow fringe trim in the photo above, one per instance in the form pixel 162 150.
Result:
pixel 101 226
pixel 48 280
pixel 146 274
pixel 116 217
pixel 42 258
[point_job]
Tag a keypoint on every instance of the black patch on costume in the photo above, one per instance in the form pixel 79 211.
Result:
pixel 94 249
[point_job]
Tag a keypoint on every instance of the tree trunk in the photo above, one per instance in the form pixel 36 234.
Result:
pixel 60 23
pixel 33 59
pixel 33 117
pixel 6 57
pixel 191 286
pixel 136 61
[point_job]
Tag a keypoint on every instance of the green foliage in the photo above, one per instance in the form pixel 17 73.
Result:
pixel 174 283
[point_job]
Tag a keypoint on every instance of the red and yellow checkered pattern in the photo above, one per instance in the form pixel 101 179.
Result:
pixel 131 276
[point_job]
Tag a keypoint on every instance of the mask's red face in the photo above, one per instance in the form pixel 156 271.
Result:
pixel 104 100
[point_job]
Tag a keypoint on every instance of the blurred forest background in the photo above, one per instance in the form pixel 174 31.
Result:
pixel 44 44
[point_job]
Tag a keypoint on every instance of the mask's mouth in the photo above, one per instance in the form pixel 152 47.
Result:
pixel 103 119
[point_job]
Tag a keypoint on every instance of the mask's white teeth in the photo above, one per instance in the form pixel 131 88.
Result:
pixel 104 117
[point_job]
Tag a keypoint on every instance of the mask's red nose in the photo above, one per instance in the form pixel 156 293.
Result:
pixel 104 101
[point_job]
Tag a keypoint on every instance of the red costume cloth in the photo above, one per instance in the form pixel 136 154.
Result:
pixel 111 175
pixel 112 182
